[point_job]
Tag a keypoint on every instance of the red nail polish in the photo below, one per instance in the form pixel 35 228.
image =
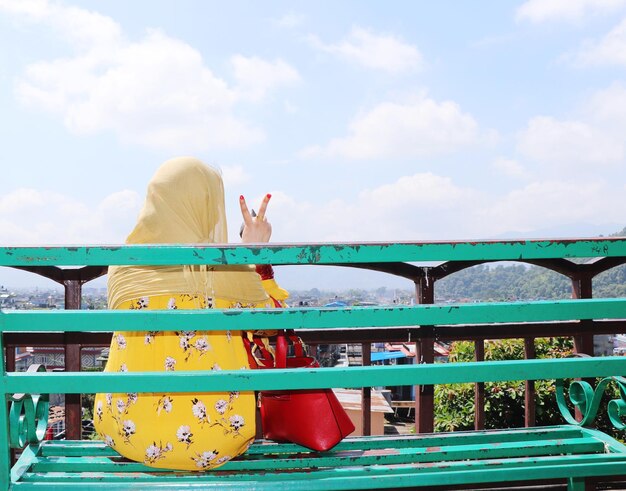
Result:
pixel 241 198
pixel 269 195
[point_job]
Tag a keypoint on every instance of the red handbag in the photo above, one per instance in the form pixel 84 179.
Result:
pixel 313 418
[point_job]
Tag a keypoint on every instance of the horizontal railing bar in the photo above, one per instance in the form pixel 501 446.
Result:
pixel 322 253
pixel 351 377
pixel 311 318
pixel 374 335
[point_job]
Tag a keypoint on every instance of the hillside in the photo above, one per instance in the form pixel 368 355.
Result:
pixel 521 282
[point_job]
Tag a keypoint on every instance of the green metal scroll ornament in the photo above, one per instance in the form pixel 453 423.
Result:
pixel 28 416
pixel 587 401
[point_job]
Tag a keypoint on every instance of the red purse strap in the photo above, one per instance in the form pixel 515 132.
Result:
pixel 282 344
pixel 281 350
pixel 268 359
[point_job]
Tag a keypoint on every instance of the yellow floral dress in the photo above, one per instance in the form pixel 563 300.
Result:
pixel 170 430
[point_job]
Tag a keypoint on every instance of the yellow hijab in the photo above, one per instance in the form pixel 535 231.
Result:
pixel 184 205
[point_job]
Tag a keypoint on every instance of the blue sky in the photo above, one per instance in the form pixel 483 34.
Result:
pixel 412 120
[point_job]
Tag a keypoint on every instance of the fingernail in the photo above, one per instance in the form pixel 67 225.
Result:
pixel 241 198
pixel 269 195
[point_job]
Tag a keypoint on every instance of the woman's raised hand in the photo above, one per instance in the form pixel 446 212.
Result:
pixel 255 229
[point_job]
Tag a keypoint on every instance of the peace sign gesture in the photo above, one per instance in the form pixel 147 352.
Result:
pixel 255 229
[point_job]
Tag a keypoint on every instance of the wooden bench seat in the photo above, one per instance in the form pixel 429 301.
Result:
pixel 565 452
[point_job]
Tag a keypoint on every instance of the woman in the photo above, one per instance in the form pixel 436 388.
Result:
pixel 184 204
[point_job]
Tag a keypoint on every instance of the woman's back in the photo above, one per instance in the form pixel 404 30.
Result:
pixel 184 204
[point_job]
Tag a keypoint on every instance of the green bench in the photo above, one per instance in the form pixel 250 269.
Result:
pixel 571 453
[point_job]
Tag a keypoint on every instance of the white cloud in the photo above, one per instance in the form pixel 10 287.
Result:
pixel 607 107
pixel 568 144
pixel 419 128
pixel 83 28
pixel 610 50
pixel 290 107
pixel 426 190
pixel 426 206
pixel 537 11
pixel 289 21
pixel 30 216
pixel 546 204
pixel 256 77
pixel 156 92
pixel 377 51
pixel 419 206
pixel 234 175
pixel 510 168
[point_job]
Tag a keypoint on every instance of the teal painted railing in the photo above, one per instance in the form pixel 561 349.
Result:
pixel 25 412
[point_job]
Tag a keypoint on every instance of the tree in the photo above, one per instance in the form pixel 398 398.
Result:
pixel 504 401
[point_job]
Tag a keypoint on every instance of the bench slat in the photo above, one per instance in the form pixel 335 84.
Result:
pixel 420 460
pixel 98 448
pixel 389 456
pixel 381 476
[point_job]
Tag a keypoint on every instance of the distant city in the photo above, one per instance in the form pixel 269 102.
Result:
pixel 96 298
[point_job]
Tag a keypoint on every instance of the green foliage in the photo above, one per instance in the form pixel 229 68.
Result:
pixel 611 283
pixel 504 401
pixel 506 282
pixel 503 283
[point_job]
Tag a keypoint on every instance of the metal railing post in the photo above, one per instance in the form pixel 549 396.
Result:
pixel 366 392
pixel 529 385
pixel 479 388
pixel 5 453
pixel 73 409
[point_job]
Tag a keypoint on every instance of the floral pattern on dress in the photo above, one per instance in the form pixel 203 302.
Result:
pixel 222 460
pixel 236 422
pixel 149 337
pixel 199 411
pixel 184 435
pixel 156 452
pixel 204 460
pixel 220 406
pixel 165 403
pixel 186 341
pixel 120 341
pixel 140 303
pixel 194 431
pixel 128 429
pixel 170 364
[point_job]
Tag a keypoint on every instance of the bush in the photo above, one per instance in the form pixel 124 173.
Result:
pixel 504 401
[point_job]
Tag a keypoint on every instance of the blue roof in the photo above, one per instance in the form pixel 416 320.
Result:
pixel 387 355
pixel 336 304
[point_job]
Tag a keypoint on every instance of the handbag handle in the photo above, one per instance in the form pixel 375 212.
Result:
pixel 282 343
pixel 257 344
pixel 281 350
